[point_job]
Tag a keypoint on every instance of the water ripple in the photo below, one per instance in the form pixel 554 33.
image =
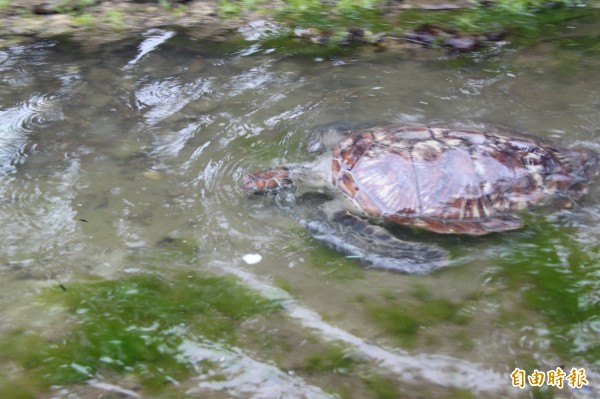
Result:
pixel 18 62
pixel 159 100
pixel 18 122
pixel 245 375
pixel 38 215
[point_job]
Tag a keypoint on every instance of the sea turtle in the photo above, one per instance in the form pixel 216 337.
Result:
pixel 442 179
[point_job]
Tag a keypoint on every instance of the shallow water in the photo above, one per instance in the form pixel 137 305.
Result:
pixel 109 157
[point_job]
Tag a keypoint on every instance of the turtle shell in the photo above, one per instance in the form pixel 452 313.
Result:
pixel 451 180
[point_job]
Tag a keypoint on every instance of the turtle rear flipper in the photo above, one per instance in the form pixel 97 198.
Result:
pixel 374 246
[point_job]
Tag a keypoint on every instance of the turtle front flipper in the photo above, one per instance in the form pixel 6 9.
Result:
pixel 373 245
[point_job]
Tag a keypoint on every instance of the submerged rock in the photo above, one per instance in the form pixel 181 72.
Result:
pixel 431 35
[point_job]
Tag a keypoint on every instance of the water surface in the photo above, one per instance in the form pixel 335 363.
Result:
pixel 127 161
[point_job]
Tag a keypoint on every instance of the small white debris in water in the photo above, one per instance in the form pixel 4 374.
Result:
pixel 252 259
pixel 80 369
pixel 132 270
pixel 152 175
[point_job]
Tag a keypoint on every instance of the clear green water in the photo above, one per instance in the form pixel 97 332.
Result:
pixel 123 227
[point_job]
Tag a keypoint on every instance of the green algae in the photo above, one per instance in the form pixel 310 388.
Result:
pixel 72 6
pixel 19 387
pixel 355 377
pixel 134 325
pixel 334 358
pixel 330 264
pixel 314 13
pixel 332 27
pixel 587 45
pixel 459 393
pixel 397 320
pixel 403 318
pixel 333 265
pixel 284 284
pixel 555 282
pixel 340 27
pixel 557 278
pixel 167 251
pixel 521 22
pixel 382 387
pixel 184 248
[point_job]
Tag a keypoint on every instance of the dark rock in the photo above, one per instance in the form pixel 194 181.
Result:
pixel 425 35
pixel 47 7
pixel 428 35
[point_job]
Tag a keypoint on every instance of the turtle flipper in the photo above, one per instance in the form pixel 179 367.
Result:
pixel 374 246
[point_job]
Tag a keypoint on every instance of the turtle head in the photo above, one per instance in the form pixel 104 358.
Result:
pixel 269 182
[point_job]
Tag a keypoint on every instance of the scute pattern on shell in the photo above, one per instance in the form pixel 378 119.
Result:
pixel 452 181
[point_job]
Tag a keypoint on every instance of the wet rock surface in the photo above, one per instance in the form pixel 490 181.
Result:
pixel 110 20
pixel 93 23
pixel 107 20
pixel 430 35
